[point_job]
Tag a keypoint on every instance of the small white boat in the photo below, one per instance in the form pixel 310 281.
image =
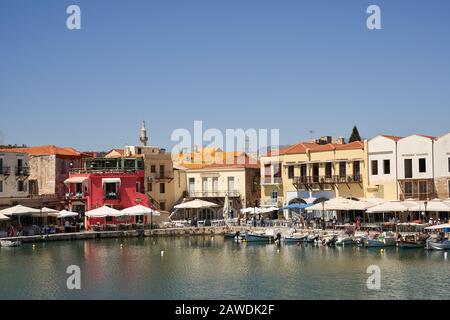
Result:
pixel 330 240
pixel 10 243
pixel 412 241
pixel 386 239
pixel 312 238
pixel 345 240
pixel 295 237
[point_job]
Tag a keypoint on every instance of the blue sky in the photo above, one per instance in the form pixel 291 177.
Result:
pixel 289 64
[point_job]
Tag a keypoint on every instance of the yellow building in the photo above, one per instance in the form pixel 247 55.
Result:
pixel 305 172
pixel 238 179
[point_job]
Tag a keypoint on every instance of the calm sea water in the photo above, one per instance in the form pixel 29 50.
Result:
pixel 214 268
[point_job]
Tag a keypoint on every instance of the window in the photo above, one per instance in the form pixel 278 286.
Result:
pixel 111 190
pixel 274 195
pixel 1 186
pixel 423 189
pixel 276 171
pixel 422 165
pixel 356 170
pixel 20 186
pixel 33 187
pixel 342 169
pixel 1 165
pixel 291 172
pixel 149 186
pixel 153 168
pixel 408 168
pixel 161 170
pixel 374 165
pixel 328 170
pixel 387 166
pixel 230 184
pixel 448 164
pixel 138 186
pixel 408 189
pixel 315 172
pixel 205 184
pixel 267 173
pixel 162 205
pixel 139 151
pixel 215 184
pixel 303 170
pixel 191 185
pixel 162 187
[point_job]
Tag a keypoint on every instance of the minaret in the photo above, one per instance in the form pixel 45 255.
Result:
pixel 143 136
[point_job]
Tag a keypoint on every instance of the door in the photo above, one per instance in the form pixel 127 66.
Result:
pixel 230 184
pixel 215 185
pixel 205 186
pixel 191 186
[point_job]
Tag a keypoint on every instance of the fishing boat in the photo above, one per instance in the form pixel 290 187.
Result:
pixel 330 241
pixel 231 234
pixel 386 239
pixel 312 238
pixel 412 241
pixel 439 243
pixel 295 237
pixel 345 240
pixel 258 236
pixel 10 243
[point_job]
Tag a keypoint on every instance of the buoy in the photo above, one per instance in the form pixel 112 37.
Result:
pixel 162 253
pixel 381 250
pixel 34 246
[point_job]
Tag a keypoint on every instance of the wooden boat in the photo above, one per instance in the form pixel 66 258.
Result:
pixel 386 239
pixel 330 241
pixel 258 236
pixel 295 237
pixel 231 234
pixel 312 238
pixel 10 243
pixel 412 241
pixel 438 244
pixel 345 240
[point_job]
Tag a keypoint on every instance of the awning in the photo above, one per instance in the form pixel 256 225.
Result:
pixel 75 180
pixel 110 180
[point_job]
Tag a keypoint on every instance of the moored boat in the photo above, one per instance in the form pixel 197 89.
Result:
pixel 345 240
pixel 10 243
pixel 438 244
pixel 412 241
pixel 258 237
pixel 312 238
pixel 386 239
pixel 295 237
pixel 329 241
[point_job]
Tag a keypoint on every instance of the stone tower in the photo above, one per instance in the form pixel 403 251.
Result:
pixel 143 138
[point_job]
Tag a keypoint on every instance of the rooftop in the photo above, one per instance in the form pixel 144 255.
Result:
pixel 46 150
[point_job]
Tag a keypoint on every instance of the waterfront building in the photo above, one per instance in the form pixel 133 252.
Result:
pixel 237 179
pixel 14 174
pixel 114 182
pixel 48 167
pixel 442 166
pixel 382 167
pixel 313 171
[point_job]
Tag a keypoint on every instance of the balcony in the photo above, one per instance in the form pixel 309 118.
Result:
pixel 22 171
pixel 111 196
pixel 166 175
pixel 271 180
pixel 270 202
pixel 76 195
pixel 5 171
pixel 337 179
pixel 214 194
pixel 104 170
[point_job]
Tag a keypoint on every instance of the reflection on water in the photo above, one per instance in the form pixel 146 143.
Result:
pixel 212 268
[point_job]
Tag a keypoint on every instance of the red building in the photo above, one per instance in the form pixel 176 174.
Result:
pixel 114 182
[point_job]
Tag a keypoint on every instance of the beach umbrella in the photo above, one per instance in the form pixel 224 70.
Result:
pixel 196 204
pixel 338 204
pixel 4 218
pixel 44 212
pixel 19 210
pixel 392 206
pixel 102 212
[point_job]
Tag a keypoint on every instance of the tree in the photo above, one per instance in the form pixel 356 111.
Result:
pixel 355 135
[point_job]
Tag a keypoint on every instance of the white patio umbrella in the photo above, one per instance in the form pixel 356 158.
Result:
pixel 139 210
pixel 392 206
pixel 102 212
pixel 63 214
pixel 437 205
pixel 337 204
pixel 226 207
pixel 44 212
pixel 4 218
pixel 196 204
pixel 19 210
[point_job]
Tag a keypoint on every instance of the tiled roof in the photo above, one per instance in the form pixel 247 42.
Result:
pixel 298 148
pixel 395 138
pixel 429 137
pixel 47 150
pixel 236 162
pixel 336 146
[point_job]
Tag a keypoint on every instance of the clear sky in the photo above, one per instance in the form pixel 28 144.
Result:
pixel 288 64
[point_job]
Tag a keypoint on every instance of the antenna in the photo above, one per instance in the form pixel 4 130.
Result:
pixel 311 132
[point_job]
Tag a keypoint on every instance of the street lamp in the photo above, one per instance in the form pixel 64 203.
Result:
pixel 425 211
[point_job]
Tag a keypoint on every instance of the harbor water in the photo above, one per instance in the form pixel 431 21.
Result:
pixel 211 267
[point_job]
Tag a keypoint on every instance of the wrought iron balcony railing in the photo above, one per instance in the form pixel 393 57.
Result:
pixel 5 171
pixel 22 171
pixel 212 194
